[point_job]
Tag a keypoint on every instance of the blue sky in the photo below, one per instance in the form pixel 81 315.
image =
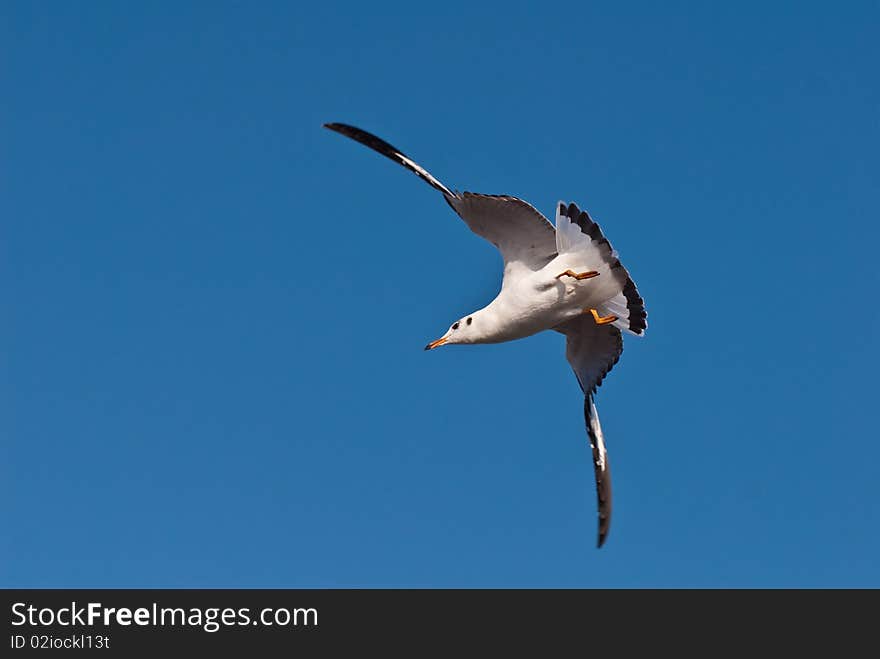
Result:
pixel 214 310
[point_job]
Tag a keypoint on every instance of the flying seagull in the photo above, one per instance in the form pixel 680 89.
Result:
pixel 566 279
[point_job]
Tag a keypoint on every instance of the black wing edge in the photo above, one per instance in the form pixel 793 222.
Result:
pixel 638 316
pixel 379 145
pixel 601 467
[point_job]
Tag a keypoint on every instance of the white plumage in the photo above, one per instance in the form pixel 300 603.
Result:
pixel 565 278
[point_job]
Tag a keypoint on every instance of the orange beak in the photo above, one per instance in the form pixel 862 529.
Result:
pixel 435 344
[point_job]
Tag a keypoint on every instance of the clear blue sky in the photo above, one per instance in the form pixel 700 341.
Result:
pixel 213 310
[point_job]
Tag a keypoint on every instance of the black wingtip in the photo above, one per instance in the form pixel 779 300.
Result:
pixel 390 151
pixel 354 133
pixel 604 526
pixel 367 139
pixel 602 470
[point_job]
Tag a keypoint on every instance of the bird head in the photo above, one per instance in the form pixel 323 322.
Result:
pixel 464 330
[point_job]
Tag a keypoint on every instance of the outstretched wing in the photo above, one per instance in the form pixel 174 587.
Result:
pixel 592 350
pixel 525 238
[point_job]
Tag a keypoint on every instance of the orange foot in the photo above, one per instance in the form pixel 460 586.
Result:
pixel 602 320
pixel 589 274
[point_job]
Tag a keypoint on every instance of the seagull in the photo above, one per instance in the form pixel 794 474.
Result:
pixel 565 278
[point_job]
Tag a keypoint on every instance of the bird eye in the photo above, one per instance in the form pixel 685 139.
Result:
pixel 470 320
pixel 455 326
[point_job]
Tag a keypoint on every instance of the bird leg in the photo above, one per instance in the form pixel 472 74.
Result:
pixel 589 274
pixel 601 320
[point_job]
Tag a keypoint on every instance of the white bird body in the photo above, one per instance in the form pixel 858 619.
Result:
pixel 565 278
pixel 542 301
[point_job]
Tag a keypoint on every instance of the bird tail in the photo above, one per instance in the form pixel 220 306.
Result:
pixel 577 233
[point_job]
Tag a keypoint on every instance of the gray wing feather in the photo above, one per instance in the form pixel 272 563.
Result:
pixel 593 350
pixel 525 238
